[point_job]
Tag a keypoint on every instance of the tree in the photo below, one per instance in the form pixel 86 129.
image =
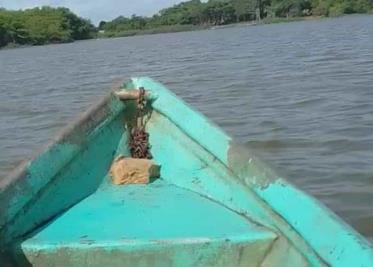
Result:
pixel 289 8
pixel 42 25
pixel 80 28
pixel 244 9
pixel 101 25
pixel 3 35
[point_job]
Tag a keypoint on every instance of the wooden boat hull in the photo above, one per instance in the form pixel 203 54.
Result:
pixel 214 205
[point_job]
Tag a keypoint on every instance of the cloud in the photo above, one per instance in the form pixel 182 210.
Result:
pixel 98 9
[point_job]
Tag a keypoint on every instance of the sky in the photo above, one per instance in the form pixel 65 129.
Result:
pixel 97 10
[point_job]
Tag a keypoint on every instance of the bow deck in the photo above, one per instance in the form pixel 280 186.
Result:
pixel 137 223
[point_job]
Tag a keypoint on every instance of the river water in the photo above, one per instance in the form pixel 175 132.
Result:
pixel 299 94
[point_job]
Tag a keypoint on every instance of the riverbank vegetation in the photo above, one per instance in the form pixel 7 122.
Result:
pixel 55 25
pixel 44 25
pixel 222 12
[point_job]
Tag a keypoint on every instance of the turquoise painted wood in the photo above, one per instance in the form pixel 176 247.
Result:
pixel 214 205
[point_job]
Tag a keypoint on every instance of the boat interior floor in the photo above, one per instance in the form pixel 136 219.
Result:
pixel 155 219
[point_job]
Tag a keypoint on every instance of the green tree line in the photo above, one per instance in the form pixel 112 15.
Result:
pixel 55 25
pixel 220 12
pixel 44 25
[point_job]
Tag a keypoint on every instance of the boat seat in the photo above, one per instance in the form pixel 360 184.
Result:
pixel 148 225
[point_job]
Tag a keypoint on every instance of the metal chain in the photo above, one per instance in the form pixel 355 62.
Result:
pixel 139 139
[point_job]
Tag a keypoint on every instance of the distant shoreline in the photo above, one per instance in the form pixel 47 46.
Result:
pixel 53 25
pixel 184 28
pixel 157 30
pixel 189 27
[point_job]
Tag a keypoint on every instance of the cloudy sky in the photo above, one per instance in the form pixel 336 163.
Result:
pixel 96 10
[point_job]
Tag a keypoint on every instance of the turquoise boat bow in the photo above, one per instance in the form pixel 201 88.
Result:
pixel 214 205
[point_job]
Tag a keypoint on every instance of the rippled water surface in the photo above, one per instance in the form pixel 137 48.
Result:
pixel 300 94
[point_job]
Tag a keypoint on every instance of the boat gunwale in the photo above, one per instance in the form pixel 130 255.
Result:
pixel 82 126
pixel 270 189
pixel 64 134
